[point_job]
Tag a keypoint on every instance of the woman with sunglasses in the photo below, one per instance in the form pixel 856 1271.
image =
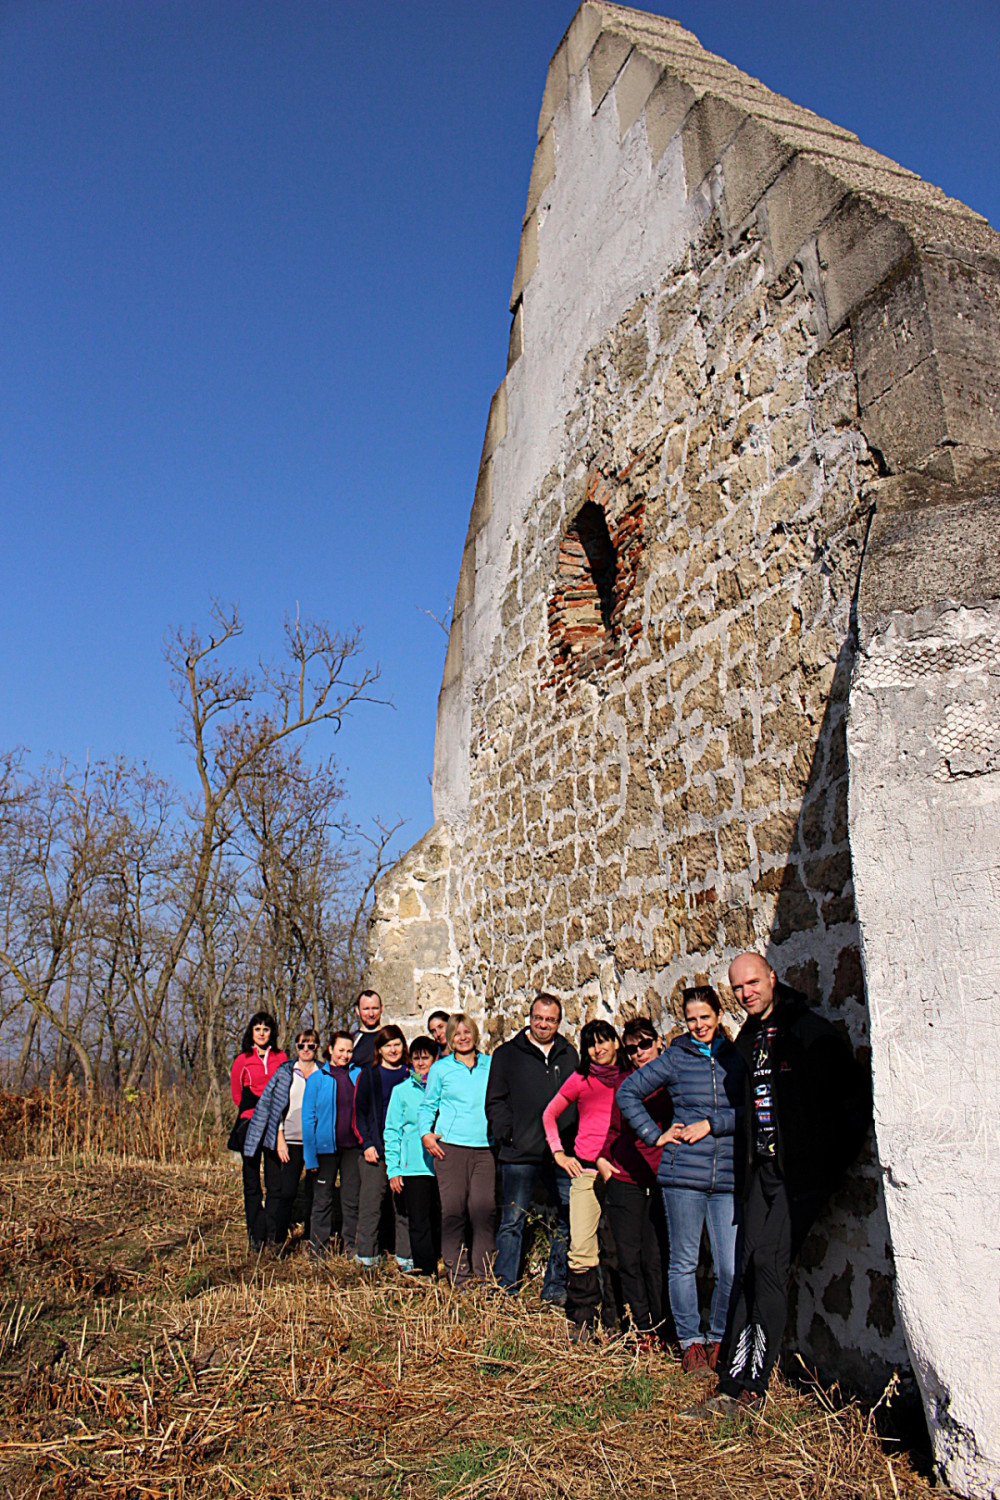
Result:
pixel 592 1089
pixel 632 1202
pixel 389 1067
pixel 276 1127
pixel 704 1074
pixel 258 1060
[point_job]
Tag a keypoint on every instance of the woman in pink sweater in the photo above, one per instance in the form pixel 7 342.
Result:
pixel 592 1089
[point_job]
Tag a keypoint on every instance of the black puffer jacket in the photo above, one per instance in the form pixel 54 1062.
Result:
pixel 822 1098
pixel 522 1082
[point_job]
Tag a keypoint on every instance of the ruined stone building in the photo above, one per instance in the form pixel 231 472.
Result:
pixel 723 669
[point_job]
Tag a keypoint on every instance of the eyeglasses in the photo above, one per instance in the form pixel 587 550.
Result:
pixel 633 1047
pixel 306 1046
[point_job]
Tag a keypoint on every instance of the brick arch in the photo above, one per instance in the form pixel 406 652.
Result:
pixel 596 568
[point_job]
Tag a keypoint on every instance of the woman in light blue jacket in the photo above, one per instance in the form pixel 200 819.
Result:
pixel 331 1144
pixel 409 1167
pixel 454 1131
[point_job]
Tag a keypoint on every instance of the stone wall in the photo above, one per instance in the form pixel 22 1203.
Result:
pixel 734 330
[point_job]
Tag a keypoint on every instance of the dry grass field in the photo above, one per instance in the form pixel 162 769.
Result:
pixel 143 1356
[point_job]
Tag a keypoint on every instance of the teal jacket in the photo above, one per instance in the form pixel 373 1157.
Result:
pixel 454 1105
pixel 404 1154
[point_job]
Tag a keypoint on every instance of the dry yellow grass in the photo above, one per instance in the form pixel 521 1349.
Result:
pixel 143 1356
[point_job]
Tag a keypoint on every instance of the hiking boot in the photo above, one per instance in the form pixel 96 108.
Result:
pixel 721 1405
pixel 694 1361
pixel 713 1353
pixel 715 1406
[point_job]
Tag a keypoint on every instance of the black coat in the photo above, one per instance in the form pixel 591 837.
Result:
pixel 822 1098
pixel 522 1082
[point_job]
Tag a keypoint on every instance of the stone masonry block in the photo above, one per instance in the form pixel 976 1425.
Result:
pixel 971 394
pixel 556 85
pixel 750 163
pixel 482 504
pixel 466 579
pixel 892 330
pixel 543 169
pixel 636 82
pixel 666 110
pixel 907 422
pixel 583 32
pixel 857 249
pixel 610 52
pixel 708 130
pixel 515 344
pixel 454 660
pixel 798 202
pixel 496 423
pixel 916 557
pixel 527 259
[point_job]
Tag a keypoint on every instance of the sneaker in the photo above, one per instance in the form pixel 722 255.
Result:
pixel 404 1263
pixel 714 1351
pixel 648 1343
pixel 693 1360
pixel 369 1262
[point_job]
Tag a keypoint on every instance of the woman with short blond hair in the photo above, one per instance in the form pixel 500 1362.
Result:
pixel 452 1123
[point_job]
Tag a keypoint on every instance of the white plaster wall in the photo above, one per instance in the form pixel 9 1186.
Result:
pixel 610 224
pixel 924 752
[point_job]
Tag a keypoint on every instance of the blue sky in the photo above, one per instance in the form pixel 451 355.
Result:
pixel 255 270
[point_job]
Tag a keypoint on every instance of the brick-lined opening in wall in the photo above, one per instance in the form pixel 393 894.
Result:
pixel 597 563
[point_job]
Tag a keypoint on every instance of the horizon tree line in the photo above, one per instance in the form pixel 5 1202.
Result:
pixel 140 926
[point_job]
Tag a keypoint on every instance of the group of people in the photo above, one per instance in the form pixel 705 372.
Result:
pixel 637 1146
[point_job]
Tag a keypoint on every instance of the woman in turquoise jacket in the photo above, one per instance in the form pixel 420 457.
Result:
pixel 455 1133
pixel 409 1167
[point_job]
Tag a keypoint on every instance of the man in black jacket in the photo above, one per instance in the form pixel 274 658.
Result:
pixel 525 1073
pixel 807 1111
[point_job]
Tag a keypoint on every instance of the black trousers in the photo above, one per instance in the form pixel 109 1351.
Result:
pixel 253 1201
pixel 637 1224
pixel 344 1161
pixel 774 1227
pixel 281 1182
pixel 423 1210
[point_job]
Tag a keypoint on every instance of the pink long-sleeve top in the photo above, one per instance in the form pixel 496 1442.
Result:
pixel 593 1100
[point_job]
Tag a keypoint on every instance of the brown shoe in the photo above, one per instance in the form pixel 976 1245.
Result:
pixel 693 1360
pixel 713 1356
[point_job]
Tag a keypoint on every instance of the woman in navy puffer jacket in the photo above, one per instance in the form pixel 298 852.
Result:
pixel 704 1075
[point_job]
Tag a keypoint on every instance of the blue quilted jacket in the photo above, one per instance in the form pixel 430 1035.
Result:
pixel 269 1111
pixel 702 1088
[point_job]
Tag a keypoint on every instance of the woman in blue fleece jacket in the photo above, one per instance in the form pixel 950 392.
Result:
pixel 331 1144
pixel 704 1075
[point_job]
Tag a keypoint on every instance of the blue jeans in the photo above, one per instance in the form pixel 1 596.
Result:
pixel 519 1179
pixel 687 1210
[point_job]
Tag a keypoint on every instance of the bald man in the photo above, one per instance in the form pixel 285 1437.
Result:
pixel 807 1110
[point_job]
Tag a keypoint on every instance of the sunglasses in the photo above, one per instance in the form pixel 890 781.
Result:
pixel 306 1046
pixel 634 1047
